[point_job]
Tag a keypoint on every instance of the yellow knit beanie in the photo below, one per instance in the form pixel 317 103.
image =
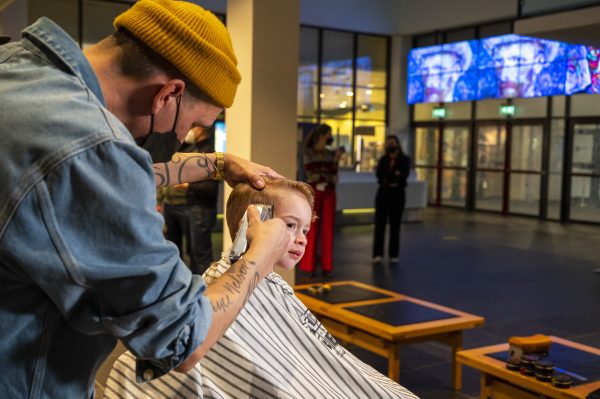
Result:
pixel 192 39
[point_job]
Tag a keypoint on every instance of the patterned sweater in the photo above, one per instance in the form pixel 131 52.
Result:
pixel 320 167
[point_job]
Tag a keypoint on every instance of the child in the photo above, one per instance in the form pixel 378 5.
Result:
pixel 276 348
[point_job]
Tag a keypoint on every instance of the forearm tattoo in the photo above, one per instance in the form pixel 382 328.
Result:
pixel 236 275
pixel 161 174
pixel 186 168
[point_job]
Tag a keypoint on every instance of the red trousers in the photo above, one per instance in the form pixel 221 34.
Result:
pixel 325 211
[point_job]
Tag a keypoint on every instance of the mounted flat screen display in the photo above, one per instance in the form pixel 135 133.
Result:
pixel 507 66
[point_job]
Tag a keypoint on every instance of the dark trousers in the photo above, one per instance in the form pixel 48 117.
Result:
pixel 389 204
pixel 176 223
pixel 202 221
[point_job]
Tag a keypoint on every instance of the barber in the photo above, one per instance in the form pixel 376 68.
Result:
pixel 86 137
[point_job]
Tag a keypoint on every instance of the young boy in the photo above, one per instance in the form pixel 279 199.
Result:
pixel 276 348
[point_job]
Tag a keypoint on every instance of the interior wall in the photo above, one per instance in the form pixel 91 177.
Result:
pixel 13 17
pixel 431 15
pixel 577 27
pixel 373 16
pixel 403 16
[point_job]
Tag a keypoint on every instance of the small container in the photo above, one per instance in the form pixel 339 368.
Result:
pixel 527 371
pixel 528 364
pixel 544 367
pixel 562 381
pixel 543 377
pixel 513 365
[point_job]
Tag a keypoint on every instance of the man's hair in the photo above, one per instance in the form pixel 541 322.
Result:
pixel 244 194
pixel 137 60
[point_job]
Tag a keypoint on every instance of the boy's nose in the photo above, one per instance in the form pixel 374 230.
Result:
pixel 301 239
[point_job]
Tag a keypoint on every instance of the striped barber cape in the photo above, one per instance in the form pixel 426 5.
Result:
pixel 276 348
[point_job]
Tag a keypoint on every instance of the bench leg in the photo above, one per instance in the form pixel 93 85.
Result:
pixel 457 341
pixel 394 362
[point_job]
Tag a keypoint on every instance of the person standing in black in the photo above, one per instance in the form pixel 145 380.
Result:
pixel 392 171
pixel 201 204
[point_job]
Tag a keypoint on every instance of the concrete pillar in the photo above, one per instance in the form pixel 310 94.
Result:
pixel 399 121
pixel 261 124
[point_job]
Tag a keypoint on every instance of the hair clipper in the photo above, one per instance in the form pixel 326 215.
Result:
pixel 240 243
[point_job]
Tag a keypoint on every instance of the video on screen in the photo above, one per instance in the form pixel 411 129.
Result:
pixel 508 66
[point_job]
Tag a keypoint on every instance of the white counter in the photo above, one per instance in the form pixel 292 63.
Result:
pixel 357 191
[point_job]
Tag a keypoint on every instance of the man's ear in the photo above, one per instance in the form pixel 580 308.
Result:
pixel 169 92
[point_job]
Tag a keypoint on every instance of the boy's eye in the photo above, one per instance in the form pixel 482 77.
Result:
pixel 291 225
pixel 305 232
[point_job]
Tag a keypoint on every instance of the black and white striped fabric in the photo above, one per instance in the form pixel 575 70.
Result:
pixel 276 348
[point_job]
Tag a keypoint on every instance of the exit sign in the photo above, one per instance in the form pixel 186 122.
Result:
pixel 439 113
pixel 507 110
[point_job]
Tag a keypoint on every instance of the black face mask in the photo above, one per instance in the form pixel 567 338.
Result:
pixel 161 146
pixel 391 149
pixel 329 141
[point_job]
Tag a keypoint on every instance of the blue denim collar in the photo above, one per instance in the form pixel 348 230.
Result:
pixel 51 39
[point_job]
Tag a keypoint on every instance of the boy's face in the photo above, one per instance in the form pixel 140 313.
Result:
pixel 296 213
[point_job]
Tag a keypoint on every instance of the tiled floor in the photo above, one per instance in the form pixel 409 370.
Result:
pixel 523 275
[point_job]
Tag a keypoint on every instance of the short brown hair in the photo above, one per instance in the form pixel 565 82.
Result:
pixel 244 194
pixel 137 60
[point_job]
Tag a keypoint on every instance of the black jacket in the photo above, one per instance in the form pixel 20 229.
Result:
pixel 395 177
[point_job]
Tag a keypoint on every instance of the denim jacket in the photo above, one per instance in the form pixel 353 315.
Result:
pixel 83 261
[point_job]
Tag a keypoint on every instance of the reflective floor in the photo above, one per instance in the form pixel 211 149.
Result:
pixel 523 275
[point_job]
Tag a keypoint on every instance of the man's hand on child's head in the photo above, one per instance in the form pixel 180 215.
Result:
pixel 238 170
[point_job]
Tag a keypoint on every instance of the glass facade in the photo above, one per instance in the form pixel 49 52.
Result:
pixel 426 159
pixel 585 173
pixel 308 76
pixel 490 167
pixel 555 168
pixel 542 162
pixel 343 81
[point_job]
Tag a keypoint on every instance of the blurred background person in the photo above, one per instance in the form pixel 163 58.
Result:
pixel 171 202
pixel 392 171
pixel 321 169
pixel 201 199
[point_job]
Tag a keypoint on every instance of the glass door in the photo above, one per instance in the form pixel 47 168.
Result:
pixel 525 169
pixel 509 168
pixel 426 159
pixel 454 163
pixel 585 173
pixel 490 167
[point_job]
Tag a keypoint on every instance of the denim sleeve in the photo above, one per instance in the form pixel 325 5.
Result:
pixel 97 251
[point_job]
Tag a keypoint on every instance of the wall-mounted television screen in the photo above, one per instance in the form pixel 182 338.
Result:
pixel 508 66
pixel 220 137
pixel 443 73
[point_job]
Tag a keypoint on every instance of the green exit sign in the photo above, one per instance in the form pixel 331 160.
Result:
pixel 507 110
pixel 439 113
